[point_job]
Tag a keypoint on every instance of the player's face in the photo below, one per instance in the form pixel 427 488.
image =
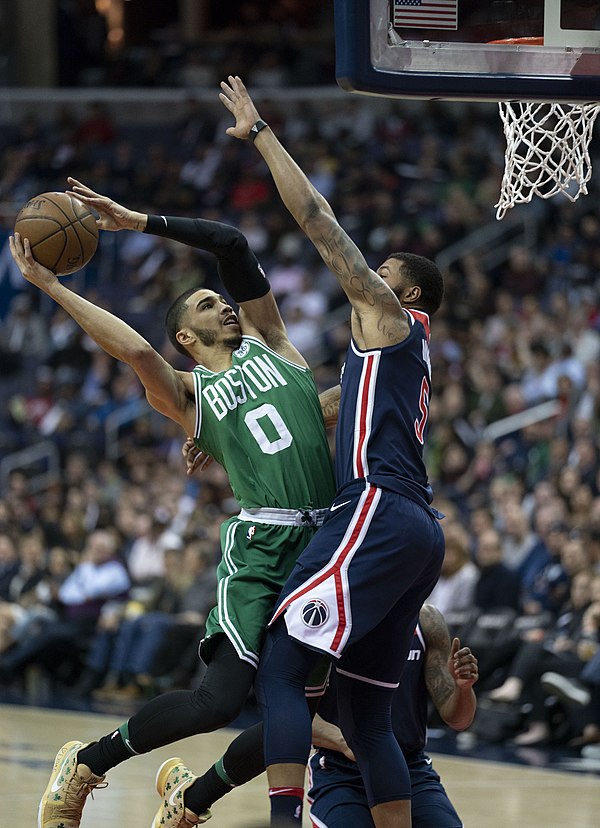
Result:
pixel 212 320
pixel 391 272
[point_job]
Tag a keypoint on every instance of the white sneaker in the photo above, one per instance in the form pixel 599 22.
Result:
pixel 569 690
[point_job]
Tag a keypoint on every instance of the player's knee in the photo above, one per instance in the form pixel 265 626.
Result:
pixel 216 710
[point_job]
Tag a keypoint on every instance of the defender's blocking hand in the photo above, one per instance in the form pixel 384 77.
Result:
pixel 236 99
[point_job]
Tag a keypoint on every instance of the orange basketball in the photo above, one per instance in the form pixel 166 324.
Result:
pixel 62 231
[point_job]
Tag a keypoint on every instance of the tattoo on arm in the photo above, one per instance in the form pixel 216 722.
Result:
pixel 364 288
pixel 440 683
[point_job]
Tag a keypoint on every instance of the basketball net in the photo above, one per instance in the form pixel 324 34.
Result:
pixel 547 151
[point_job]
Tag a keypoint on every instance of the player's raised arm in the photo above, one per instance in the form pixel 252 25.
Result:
pixel 164 386
pixel 450 671
pixel 367 292
pixel 238 267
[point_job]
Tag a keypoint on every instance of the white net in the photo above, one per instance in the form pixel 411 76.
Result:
pixel 547 151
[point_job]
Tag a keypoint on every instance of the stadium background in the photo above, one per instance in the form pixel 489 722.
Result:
pixel 123 96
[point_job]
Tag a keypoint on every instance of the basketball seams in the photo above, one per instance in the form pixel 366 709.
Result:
pixel 59 228
pixel 85 227
pixel 69 240
pixel 61 209
pixel 62 252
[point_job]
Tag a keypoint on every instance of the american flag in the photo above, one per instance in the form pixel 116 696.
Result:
pixel 425 14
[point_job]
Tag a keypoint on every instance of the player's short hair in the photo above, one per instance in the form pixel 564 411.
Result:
pixel 173 319
pixel 424 273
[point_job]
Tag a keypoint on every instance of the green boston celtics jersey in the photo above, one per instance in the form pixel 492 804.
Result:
pixel 261 419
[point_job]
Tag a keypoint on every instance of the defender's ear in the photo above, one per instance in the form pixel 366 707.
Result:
pixel 411 295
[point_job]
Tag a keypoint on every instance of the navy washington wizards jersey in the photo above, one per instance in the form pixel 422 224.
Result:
pixel 409 704
pixel 383 414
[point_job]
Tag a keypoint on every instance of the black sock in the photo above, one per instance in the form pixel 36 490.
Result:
pixel 206 790
pixel 286 806
pixel 243 760
pixel 110 751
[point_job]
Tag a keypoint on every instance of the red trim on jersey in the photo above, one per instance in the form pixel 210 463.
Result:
pixel 423 318
pixel 362 417
pixel 334 570
pixel 339 596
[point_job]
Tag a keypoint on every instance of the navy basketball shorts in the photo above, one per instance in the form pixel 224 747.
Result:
pixel 338 800
pixel 359 584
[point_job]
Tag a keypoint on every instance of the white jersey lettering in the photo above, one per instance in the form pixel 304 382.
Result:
pixel 237 383
pixel 236 386
pixel 211 396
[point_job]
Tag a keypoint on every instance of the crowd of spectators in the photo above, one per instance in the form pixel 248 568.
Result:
pixel 289 43
pixel 522 509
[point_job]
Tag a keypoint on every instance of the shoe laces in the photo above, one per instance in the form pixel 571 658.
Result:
pixel 76 792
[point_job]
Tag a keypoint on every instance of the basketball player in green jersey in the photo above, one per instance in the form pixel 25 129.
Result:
pixel 252 404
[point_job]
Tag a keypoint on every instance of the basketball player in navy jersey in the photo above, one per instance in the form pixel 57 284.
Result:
pixel 356 590
pixel 435 668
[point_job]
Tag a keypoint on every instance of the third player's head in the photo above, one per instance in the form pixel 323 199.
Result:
pixel 201 319
pixel 416 281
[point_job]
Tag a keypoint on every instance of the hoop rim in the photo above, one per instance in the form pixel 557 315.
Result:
pixel 520 41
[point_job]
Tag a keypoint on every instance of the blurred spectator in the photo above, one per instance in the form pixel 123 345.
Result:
pixel 146 558
pixel 497 586
pixel 128 634
pixel 97 128
pixel 583 691
pixel 558 648
pixel 96 579
pixel 30 571
pixel 9 563
pixel 518 539
pixel 455 589
pixel 23 337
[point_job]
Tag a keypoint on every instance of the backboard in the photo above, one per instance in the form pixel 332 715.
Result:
pixel 444 49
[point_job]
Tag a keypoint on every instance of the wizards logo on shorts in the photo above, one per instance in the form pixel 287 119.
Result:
pixel 314 613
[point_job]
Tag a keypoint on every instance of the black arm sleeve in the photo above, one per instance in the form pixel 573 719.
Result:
pixel 238 267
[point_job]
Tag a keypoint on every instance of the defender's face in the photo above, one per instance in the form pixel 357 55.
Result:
pixel 212 319
pixel 391 272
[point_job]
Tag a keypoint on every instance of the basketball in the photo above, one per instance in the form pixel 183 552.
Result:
pixel 62 231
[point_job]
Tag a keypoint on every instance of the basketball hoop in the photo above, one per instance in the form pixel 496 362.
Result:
pixel 547 147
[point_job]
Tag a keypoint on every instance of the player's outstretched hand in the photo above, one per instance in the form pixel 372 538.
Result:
pixel 111 216
pixel 31 270
pixel 194 458
pixel 462 665
pixel 236 99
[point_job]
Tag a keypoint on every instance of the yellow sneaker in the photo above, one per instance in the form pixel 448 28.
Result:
pixel 70 783
pixel 172 779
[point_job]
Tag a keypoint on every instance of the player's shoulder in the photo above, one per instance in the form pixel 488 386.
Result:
pixel 279 348
pixel 419 323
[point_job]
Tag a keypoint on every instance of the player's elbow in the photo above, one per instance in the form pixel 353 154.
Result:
pixel 142 358
pixel 317 218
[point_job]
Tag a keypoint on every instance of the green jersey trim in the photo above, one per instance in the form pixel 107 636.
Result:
pixel 224 619
pixel 198 394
